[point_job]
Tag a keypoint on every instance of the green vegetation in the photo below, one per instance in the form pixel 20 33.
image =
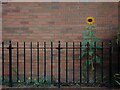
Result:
pixel 116 80
pixel 91 41
pixel 118 35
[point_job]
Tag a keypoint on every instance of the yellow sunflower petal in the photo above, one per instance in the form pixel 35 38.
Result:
pixel 90 20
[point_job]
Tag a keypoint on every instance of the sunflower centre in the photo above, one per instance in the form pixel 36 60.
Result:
pixel 90 20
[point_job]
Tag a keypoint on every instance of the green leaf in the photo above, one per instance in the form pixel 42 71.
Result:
pixel 93 26
pixel 84 54
pixel 84 42
pixel 87 62
pixel 117 82
pixel 98 46
pixel 96 39
pixel 14 70
pixel 98 60
pixel 87 27
pixel 91 53
pixel 117 74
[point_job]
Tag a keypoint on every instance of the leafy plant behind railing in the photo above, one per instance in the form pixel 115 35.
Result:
pixel 116 80
pixel 91 41
pixel 34 83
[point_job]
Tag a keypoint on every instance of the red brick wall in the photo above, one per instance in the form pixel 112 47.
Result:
pixel 57 21
pixel 52 22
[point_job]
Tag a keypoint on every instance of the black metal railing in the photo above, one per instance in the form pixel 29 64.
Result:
pixel 59 50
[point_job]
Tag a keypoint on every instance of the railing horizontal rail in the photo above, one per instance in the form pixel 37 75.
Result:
pixel 50 47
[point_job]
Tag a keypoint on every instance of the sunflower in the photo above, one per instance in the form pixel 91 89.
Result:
pixel 90 20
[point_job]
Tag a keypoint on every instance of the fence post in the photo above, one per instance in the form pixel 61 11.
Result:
pixel 102 62
pixel 2 62
pixel 87 62
pixel 95 62
pixel 80 63
pixel 24 63
pixel 44 61
pixel 10 64
pixel 17 61
pixel 59 64
pixel 38 61
pixel 31 61
pixel 66 62
pixel 51 62
pixel 118 57
pixel 73 63
pixel 110 63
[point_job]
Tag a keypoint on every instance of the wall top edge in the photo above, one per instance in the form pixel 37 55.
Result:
pixel 59 0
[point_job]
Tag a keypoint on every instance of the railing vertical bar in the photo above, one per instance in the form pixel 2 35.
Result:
pixel 73 64
pixel 10 64
pixel 51 62
pixel 80 62
pixel 2 62
pixel 17 61
pixel 118 56
pixel 38 61
pixel 87 62
pixel 31 62
pixel 59 64
pixel 24 63
pixel 44 61
pixel 110 62
pixel 102 63
pixel 95 63
pixel 66 62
